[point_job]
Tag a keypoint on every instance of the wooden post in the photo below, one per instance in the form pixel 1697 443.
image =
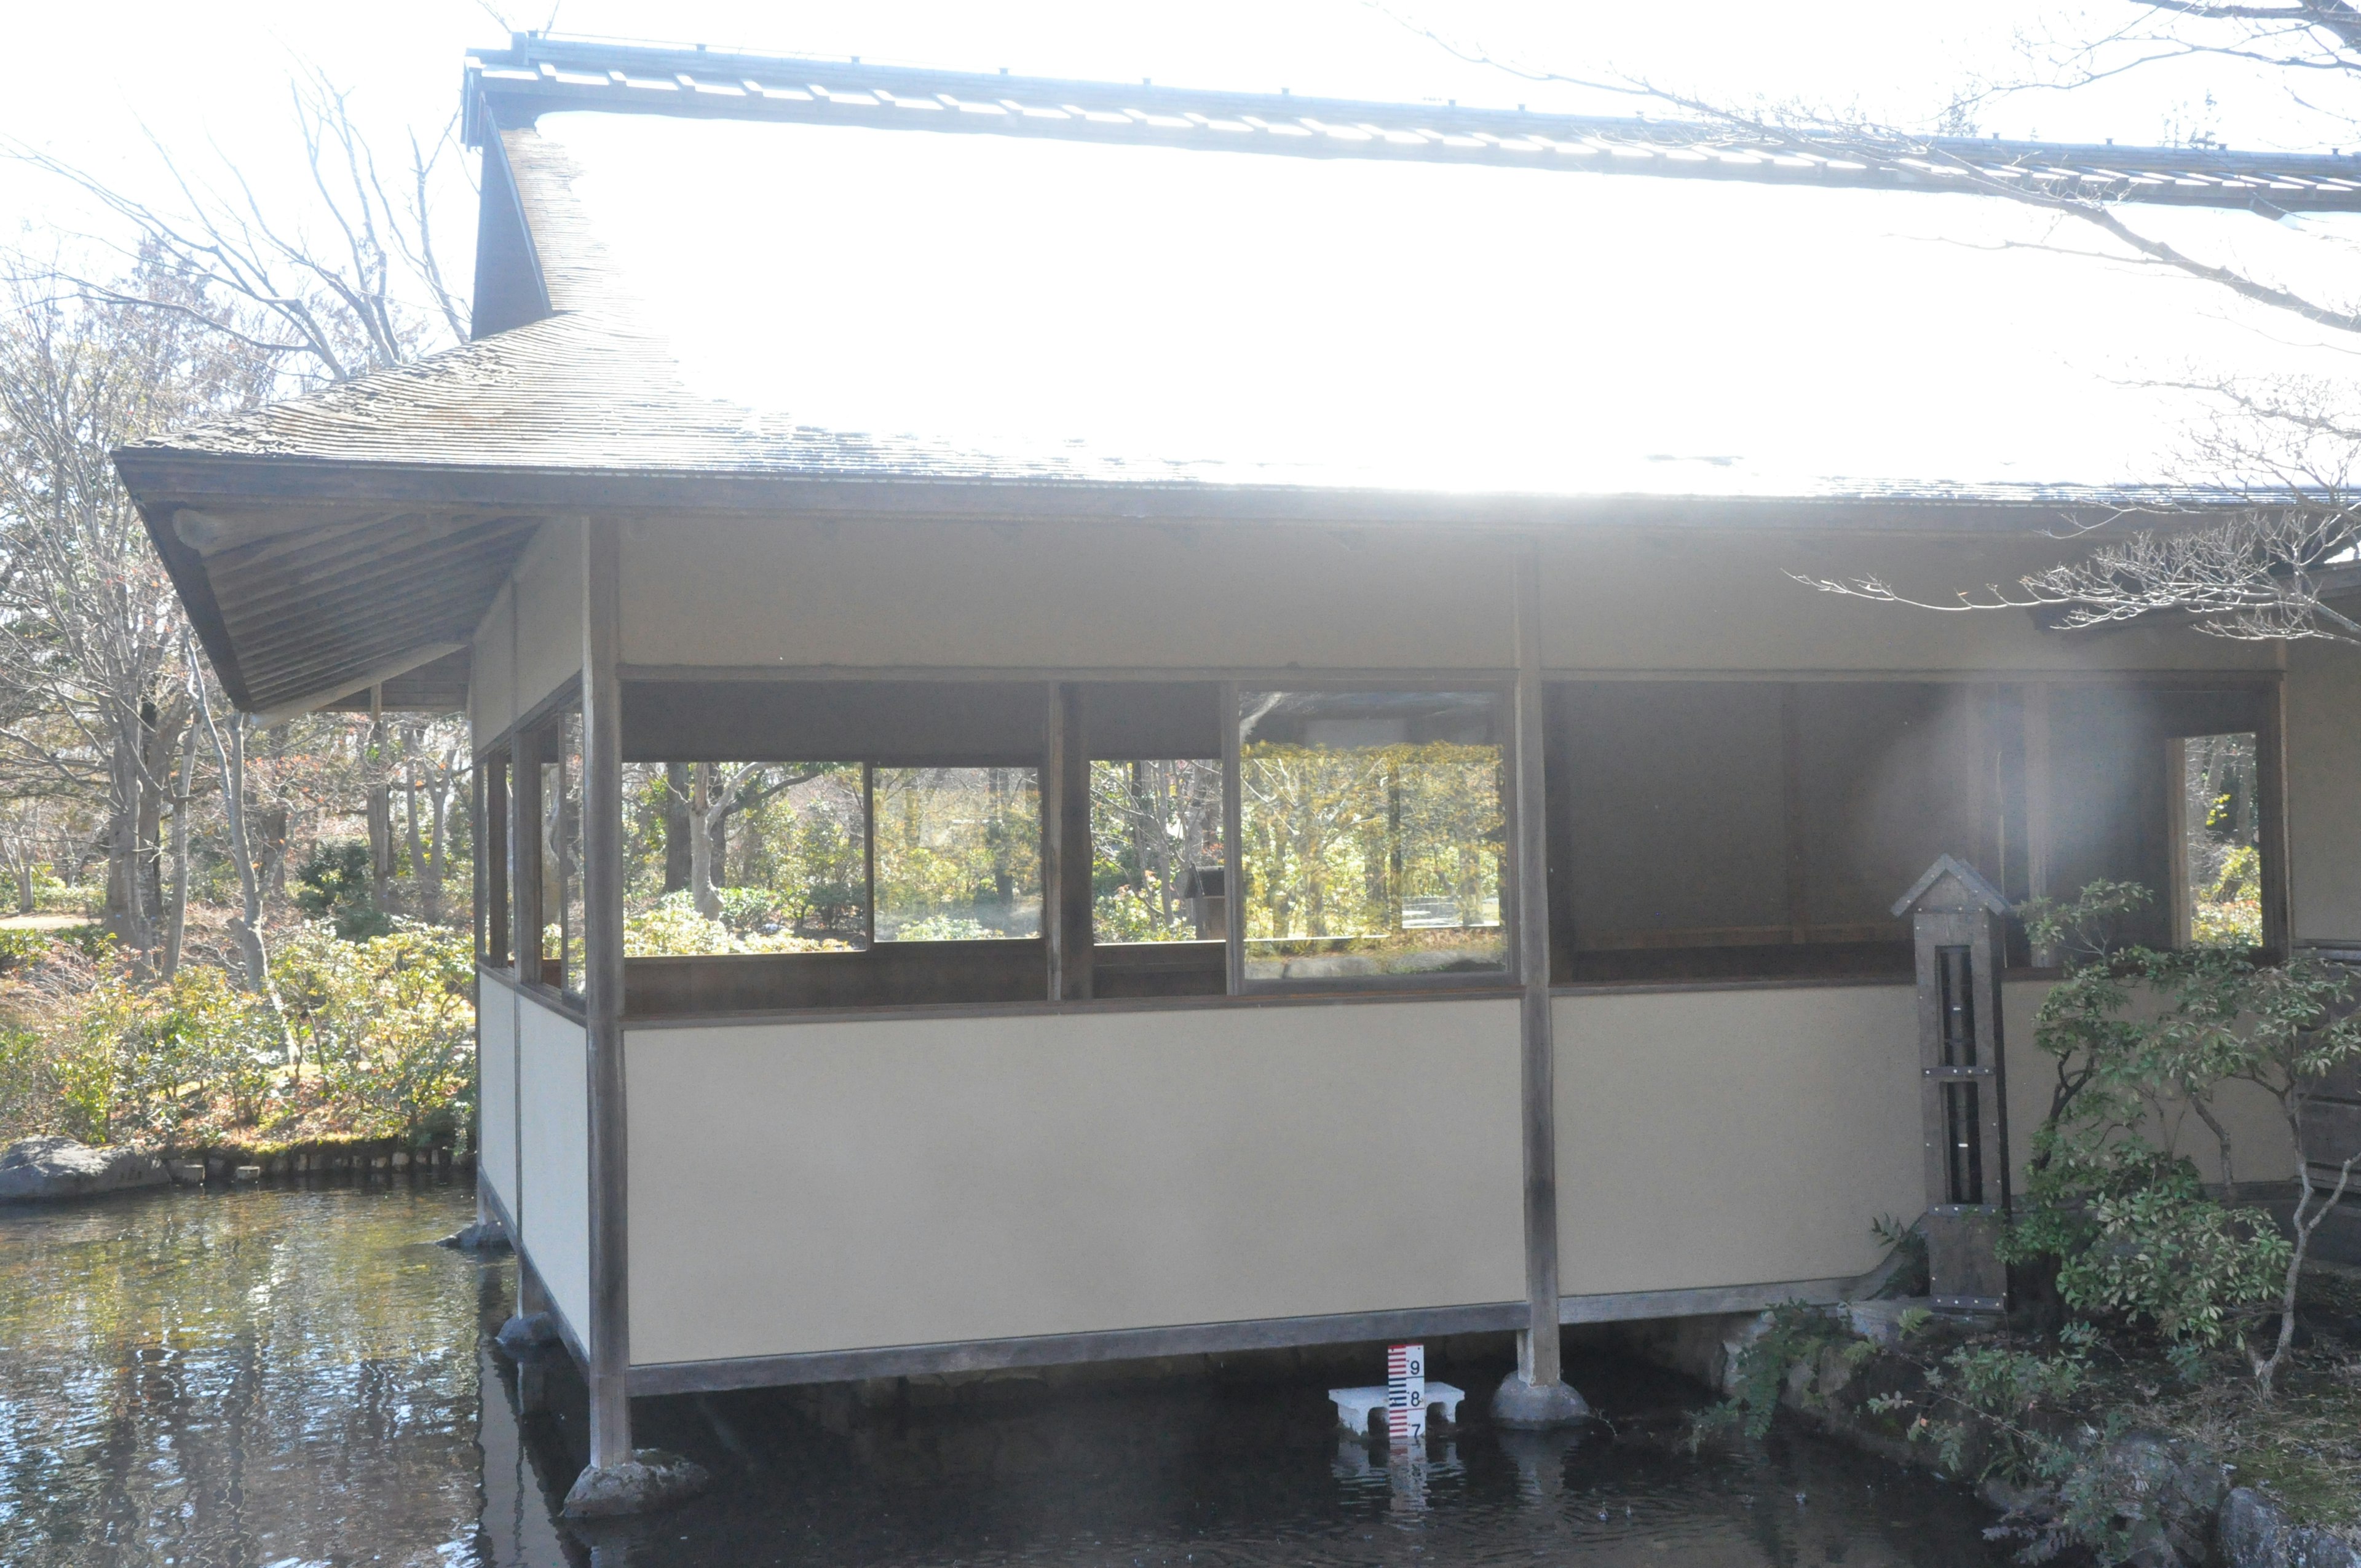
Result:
pixel 2270 822
pixel 1955 917
pixel 2040 834
pixel 609 1330
pixel 1066 847
pixel 1537 1397
pixel 492 854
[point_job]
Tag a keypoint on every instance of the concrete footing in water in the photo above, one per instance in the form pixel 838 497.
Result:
pixel 527 1334
pixel 650 1480
pixel 1536 1407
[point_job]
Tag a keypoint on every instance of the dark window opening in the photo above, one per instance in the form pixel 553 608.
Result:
pixel 1760 829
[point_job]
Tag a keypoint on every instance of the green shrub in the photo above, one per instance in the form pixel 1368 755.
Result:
pixel 2137 1237
pixel 371 1038
pixel 333 885
pixel 381 1031
pixel 22 949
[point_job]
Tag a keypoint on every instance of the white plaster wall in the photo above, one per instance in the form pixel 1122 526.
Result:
pixel 833 1186
pixel 553 1156
pixel 1622 599
pixel 1732 1137
pixel 496 1031
pixel 2324 790
pixel 548 585
pixel 883 594
pixel 2260 1146
pixel 492 701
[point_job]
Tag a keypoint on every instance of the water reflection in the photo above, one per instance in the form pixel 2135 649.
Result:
pixel 291 1378
pixel 245 1378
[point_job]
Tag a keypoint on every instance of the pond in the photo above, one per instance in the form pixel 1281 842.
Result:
pixel 287 1378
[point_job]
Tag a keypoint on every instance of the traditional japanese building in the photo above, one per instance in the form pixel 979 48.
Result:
pixel 1522 945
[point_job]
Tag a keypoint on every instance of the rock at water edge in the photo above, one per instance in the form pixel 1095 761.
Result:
pixel 2256 1534
pixel 34 1168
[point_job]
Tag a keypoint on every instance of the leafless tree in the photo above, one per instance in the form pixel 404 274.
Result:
pixel 2262 576
pixel 351 284
pixel 91 634
pixel 2263 573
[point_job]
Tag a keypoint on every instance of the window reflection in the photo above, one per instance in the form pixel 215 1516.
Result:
pixel 1371 831
pixel 957 853
pixel 1156 849
pixel 745 857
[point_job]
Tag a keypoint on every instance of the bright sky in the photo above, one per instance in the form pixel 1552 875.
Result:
pixel 1553 331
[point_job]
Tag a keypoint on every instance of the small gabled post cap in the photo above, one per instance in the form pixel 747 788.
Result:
pixel 1536 1407
pixel 1951 884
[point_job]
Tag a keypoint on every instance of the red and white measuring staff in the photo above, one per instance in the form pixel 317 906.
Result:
pixel 1405 1392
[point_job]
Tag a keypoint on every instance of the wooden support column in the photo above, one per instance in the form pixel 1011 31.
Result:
pixel 609 1330
pixel 2270 821
pixel 1537 1397
pixel 492 854
pixel 1065 846
pixel 2040 833
pixel 524 853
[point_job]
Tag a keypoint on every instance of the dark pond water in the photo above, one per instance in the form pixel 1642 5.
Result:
pixel 291 1378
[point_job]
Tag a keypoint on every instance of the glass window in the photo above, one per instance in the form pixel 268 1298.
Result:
pixel 745 858
pixel 957 853
pixel 1156 851
pixel 1372 832
pixel 562 906
pixel 491 838
pixel 2218 886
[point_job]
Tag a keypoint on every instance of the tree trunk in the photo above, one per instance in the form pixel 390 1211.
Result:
pixel 410 806
pixel 176 918
pixel 381 843
pixel 438 796
pixel 245 926
pixel 700 841
pixel 127 909
pixel 269 823
pixel 678 850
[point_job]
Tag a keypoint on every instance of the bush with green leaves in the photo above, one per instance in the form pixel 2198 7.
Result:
pixel 2136 1237
pixel 372 1038
pixel 333 885
pixel 2137 1035
pixel 381 1032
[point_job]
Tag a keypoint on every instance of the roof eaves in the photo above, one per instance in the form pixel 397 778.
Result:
pixel 537 75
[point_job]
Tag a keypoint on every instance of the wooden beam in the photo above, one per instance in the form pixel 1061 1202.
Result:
pixel 1065 846
pixel 610 1325
pixel 373 675
pixel 493 855
pixel 2271 821
pixel 1528 812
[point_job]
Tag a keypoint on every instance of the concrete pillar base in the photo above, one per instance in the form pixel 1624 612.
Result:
pixel 528 1334
pixel 1536 1407
pixel 485 1235
pixel 651 1479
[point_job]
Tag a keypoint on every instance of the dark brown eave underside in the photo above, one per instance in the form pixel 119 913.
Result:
pixel 165 480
